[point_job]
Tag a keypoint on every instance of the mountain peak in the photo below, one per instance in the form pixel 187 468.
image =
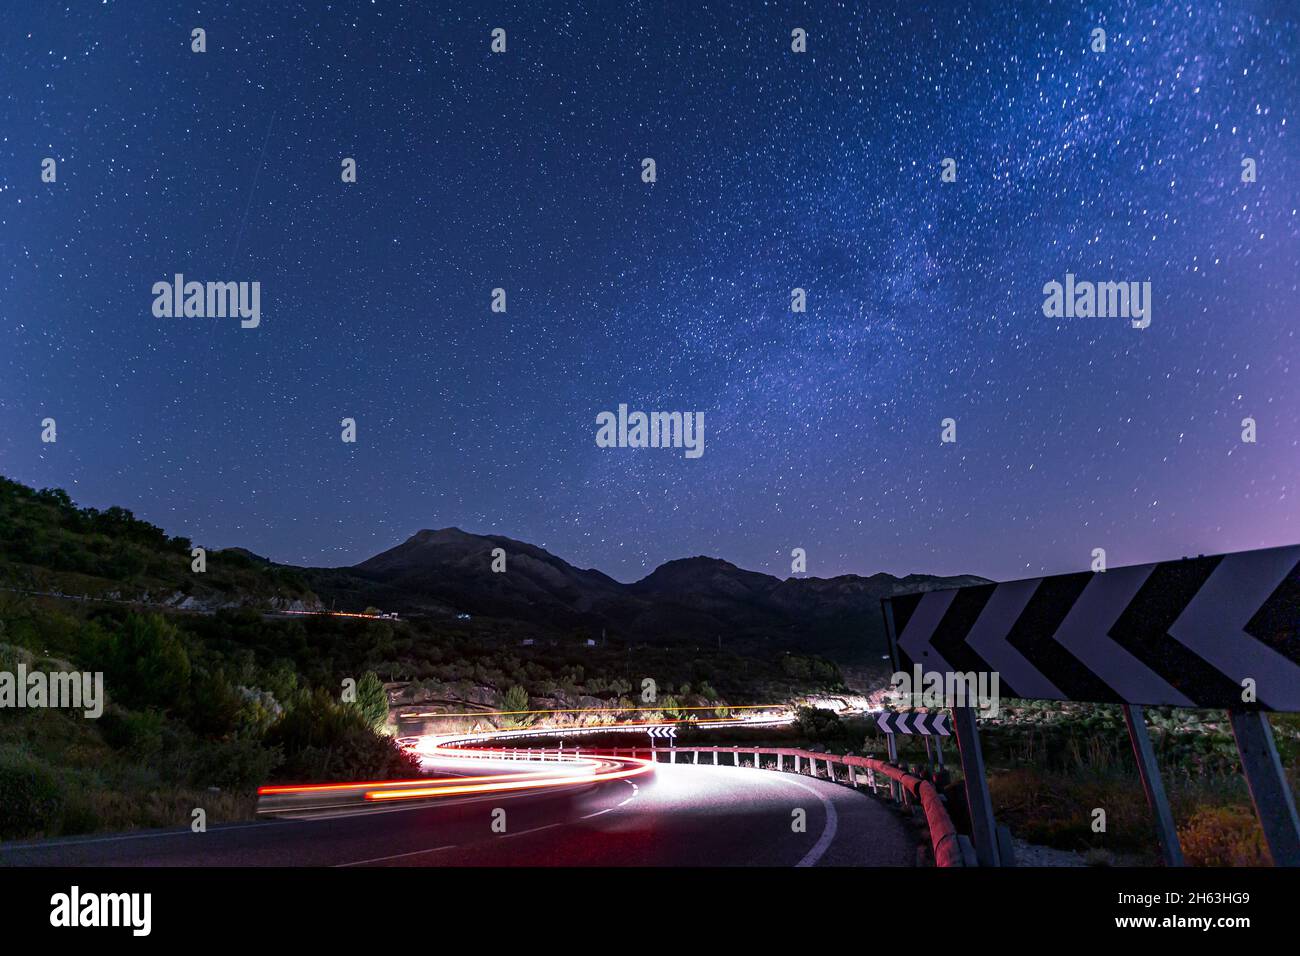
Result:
pixel 441 534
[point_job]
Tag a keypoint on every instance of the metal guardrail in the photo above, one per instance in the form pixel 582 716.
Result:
pixel 950 848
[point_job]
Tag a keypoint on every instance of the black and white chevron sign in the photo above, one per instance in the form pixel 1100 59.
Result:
pixel 661 731
pixel 1183 633
pixel 931 723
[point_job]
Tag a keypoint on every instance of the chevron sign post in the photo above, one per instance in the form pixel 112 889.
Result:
pixel 660 732
pixel 914 722
pixel 927 724
pixel 1206 632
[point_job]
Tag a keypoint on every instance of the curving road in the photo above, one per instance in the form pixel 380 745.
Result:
pixel 672 815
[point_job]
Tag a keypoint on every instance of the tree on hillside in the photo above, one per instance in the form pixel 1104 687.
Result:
pixel 516 699
pixel 145 661
pixel 820 725
pixel 372 700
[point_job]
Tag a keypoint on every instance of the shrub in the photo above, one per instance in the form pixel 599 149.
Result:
pixel 820 725
pixel 324 740
pixel 1224 836
pixel 239 765
pixel 214 705
pixel 139 733
pixel 31 801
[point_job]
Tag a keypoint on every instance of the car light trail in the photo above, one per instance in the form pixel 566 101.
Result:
pixel 360 785
pixel 553 770
pixel 613 768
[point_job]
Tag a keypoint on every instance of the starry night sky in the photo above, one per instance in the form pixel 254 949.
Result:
pixel 775 170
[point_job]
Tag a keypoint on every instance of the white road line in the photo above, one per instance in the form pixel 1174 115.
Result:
pixel 597 813
pixel 828 831
pixel 549 826
pixel 396 856
pixel 55 844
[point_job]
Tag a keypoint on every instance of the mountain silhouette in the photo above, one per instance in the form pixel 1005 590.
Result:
pixel 698 600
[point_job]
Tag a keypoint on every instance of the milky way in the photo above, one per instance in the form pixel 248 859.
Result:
pixel 776 170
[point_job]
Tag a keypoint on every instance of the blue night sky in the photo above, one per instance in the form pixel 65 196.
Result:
pixel 775 170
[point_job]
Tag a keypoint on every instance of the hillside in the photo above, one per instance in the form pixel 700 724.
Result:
pixel 49 545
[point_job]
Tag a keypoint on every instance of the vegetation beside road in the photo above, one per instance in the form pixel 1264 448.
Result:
pixel 1052 765
pixel 194 719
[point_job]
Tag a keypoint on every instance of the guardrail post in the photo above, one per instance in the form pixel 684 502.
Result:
pixel 1006 849
pixel 758 763
pixel 672 755
pixel 853 776
pixel 895 789
pixel 977 786
pixel 1274 804
pixel 796 763
pixel 696 755
pixel 1149 771
pixel 968 857
pixel 715 757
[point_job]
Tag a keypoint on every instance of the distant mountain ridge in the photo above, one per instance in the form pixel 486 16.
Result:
pixel 688 600
pixel 49 545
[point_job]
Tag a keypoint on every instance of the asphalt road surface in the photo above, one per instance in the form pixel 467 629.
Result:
pixel 680 815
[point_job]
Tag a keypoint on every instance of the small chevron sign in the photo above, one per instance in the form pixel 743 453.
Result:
pixel 662 731
pixel 929 723
pixel 1219 631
